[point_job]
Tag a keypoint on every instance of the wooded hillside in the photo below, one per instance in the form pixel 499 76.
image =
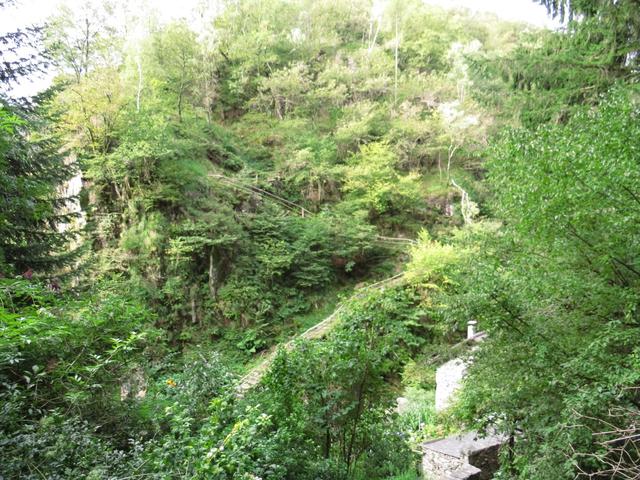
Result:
pixel 187 200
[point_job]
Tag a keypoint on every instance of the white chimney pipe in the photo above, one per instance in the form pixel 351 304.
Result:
pixel 471 329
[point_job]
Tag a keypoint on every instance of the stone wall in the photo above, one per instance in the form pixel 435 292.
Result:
pixel 439 466
pixel 486 460
pixel 465 456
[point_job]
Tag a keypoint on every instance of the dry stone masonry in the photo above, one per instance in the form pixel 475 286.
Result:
pixel 461 457
pixel 465 456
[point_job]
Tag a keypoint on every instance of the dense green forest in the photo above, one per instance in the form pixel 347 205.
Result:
pixel 320 194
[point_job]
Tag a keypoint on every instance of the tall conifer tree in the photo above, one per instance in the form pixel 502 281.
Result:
pixel 32 167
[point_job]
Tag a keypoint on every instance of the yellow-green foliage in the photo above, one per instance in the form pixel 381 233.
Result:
pixel 430 260
pixel 373 183
pixel 144 237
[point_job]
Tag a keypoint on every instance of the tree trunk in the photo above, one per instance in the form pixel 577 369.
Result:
pixel 194 315
pixel 465 204
pixel 356 421
pixel 452 151
pixel 212 275
pixel 139 91
pixel 395 86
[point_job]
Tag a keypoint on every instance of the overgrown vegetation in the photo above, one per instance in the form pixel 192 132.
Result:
pixel 186 198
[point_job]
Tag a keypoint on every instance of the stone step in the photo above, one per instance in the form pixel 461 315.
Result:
pixel 465 472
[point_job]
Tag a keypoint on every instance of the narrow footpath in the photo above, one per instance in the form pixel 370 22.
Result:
pixel 318 331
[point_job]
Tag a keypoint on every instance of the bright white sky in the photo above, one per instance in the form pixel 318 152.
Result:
pixel 34 11
pixel 29 12
pixel 528 11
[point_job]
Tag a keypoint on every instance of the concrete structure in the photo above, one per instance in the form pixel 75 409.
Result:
pixel 402 405
pixel 471 329
pixel 449 375
pixel 448 379
pixel 464 456
pixel 461 457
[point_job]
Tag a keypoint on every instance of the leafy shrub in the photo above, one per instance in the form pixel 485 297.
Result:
pixel 372 182
pixel 61 360
pixel 557 290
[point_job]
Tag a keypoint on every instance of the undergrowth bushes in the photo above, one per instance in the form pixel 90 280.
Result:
pixel 99 396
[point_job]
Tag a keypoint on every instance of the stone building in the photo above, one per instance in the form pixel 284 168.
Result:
pixel 461 457
pixel 465 456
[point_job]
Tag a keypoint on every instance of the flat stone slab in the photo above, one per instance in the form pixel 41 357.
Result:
pixel 465 472
pixel 463 445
